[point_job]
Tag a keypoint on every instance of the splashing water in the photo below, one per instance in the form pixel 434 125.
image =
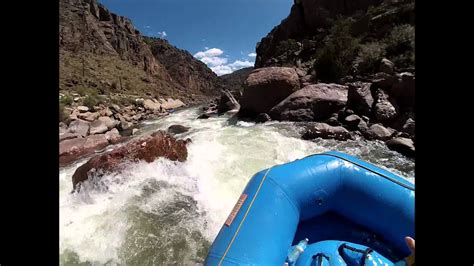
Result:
pixel 166 212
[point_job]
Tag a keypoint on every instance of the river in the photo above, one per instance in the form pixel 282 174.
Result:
pixel 168 213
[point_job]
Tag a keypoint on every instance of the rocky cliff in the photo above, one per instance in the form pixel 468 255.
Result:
pixel 343 68
pixel 330 39
pixel 190 75
pixel 103 51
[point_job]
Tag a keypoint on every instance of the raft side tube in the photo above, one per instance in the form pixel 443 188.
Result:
pixel 282 197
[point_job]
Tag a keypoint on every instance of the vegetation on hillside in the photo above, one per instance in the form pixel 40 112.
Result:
pixel 346 44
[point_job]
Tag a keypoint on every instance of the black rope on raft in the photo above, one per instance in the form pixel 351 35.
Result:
pixel 365 252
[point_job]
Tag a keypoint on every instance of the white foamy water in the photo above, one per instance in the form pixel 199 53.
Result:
pixel 165 212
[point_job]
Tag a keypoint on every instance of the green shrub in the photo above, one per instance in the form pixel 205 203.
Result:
pixel 92 100
pixel 401 45
pixel 84 91
pixel 287 46
pixel 369 57
pixel 334 59
pixel 328 67
pixel 66 100
pixel 122 101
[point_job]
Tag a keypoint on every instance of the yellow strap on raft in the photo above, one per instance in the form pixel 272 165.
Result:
pixel 245 216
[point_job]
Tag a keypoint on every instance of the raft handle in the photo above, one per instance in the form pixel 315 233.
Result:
pixel 365 252
pixel 320 257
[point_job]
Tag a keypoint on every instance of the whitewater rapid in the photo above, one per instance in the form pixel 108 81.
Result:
pixel 168 213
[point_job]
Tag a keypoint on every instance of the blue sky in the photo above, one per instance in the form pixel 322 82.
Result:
pixel 221 33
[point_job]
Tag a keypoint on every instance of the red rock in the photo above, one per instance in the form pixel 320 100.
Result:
pixel 71 149
pixel 147 148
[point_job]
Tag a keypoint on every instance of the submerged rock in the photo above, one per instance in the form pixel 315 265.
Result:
pixel 177 129
pixel 203 116
pixel 262 118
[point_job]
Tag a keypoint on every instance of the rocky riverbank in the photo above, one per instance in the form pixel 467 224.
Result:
pixel 88 130
pixel 374 107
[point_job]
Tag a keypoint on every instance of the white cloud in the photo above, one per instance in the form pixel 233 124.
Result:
pixel 162 34
pixel 147 27
pixel 207 48
pixel 213 52
pixel 215 59
pixel 241 64
pixel 252 55
pixel 222 70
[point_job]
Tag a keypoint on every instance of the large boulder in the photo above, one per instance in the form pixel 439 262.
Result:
pixel 377 131
pixel 88 116
pixel 266 87
pixel 97 127
pixel 404 146
pixel 80 127
pixel 151 105
pixel 108 122
pixel 72 149
pixel 352 121
pixel 325 131
pixel 359 98
pixel 147 148
pixel 313 102
pixel 385 107
pixel 172 104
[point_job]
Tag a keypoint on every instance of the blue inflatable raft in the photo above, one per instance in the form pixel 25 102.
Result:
pixel 352 213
